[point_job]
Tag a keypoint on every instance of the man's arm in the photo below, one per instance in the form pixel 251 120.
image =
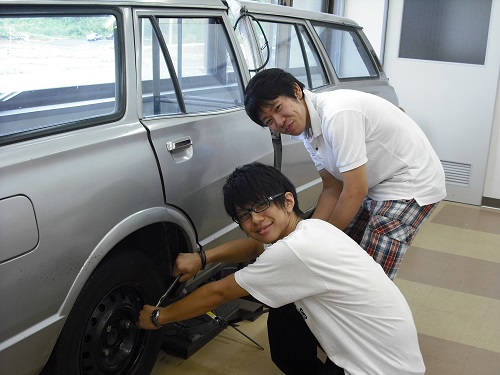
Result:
pixel 237 251
pixel 202 300
pixel 352 196
pixel 339 202
pixel 332 188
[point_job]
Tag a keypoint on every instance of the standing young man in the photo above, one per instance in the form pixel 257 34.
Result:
pixel 381 176
pixel 359 317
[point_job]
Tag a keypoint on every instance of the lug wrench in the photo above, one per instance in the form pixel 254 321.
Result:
pixel 162 298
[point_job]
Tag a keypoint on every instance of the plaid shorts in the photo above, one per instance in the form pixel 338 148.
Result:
pixel 385 229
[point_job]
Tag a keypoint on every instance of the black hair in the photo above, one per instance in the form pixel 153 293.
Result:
pixel 265 87
pixel 252 182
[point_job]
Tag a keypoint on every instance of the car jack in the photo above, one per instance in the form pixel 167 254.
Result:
pixel 186 337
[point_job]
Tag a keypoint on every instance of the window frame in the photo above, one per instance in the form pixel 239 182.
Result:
pixel 297 25
pixel 369 54
pixel 44 11
pixel 154 15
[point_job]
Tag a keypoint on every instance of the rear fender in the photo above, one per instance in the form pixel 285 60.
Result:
pixel 123 229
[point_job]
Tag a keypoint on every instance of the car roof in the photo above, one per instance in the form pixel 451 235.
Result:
pixel 210 4
pixel 251 6
pixel 272 9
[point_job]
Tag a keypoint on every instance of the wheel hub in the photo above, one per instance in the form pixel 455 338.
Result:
pixel 111 340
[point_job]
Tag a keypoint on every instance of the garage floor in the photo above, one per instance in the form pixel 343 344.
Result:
pixel 451 279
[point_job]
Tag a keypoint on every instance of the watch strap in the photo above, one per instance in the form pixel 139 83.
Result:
pixel 154 317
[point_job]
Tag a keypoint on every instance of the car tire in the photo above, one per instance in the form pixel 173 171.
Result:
pixel 100 335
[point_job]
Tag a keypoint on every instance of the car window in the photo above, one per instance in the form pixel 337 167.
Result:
pixel 346 50
pixel 57 72
pixel 187 66
pixel 291 49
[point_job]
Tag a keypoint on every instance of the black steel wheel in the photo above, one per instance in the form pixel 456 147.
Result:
pixel 100 336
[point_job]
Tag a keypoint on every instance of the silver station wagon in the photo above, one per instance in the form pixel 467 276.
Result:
pixel 119 123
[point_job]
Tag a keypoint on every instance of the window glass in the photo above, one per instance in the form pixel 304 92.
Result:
pixel 291 49
pixel 317 76
pixel 56 70
pixel 158 93
pixel 347 52
pixel 446 30
pixel 198 60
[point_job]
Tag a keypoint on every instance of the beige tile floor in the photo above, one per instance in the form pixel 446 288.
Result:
pixel 451 279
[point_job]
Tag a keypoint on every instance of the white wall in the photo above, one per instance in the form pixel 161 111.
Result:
pixel 492 183
pixel 371 15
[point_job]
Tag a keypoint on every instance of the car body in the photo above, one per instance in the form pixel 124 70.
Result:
pixel 113 156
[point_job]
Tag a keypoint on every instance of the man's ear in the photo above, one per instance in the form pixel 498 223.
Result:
pixel 297 90
pixel 289 201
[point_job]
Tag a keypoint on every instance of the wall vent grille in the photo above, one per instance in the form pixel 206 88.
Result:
pixel 457 173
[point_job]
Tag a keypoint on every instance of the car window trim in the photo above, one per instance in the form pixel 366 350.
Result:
pixel 39 11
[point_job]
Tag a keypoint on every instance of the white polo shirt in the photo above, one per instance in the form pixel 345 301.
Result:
pixel 351 128
pixel 358 315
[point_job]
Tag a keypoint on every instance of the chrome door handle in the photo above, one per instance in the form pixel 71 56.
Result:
pixel 179 145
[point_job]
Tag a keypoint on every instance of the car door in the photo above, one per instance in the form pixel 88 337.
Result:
pixel 192 106
pixel 287 44
pixel 324 52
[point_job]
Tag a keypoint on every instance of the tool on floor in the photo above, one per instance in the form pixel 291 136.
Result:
pixel 224 323
pixel 215 319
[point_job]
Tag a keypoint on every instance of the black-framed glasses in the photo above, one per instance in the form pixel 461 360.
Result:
pixel 262 205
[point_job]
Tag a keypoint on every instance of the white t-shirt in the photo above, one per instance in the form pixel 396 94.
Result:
pixel 351 128
pixel 358 315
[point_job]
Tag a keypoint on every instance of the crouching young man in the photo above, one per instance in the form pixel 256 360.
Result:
pixel 357 314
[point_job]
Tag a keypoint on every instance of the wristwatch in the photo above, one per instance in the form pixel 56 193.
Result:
pixel 154 318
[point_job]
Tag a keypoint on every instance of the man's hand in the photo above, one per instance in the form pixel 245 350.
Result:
pixel 203 299
pixel 144 321
pixel 187 264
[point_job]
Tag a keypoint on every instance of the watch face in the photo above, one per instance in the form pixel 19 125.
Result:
pixel 154 317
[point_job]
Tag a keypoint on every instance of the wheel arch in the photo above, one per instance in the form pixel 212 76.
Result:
pixel 156 227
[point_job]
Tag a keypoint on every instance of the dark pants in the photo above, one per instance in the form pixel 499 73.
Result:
pixel 330 368
pixel 293 346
